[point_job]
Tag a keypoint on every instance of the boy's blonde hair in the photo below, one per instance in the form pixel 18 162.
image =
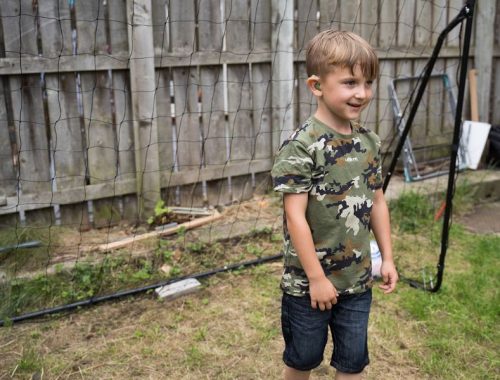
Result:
pixel 335 48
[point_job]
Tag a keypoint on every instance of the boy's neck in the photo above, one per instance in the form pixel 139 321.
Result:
pixel 342 127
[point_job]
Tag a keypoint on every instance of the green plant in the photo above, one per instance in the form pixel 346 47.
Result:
pixel 160 212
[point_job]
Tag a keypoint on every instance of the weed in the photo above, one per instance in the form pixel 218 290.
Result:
pixel 254 249
pixel 411 212
pixel 29 361
pixel 195 247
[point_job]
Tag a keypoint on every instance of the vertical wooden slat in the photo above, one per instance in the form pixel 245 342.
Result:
pixel 91 27
pixel 388 24
pixel 55 28
pixel 483 60
pixel 261 98
pixel 143 87
pixel 101 139
pixel 260 25
pixel 406 20
pixel 183 24
pixel 19 28
pixel 240 123
pixel 8 175
pixel 239 113
pixel 350 13
pixel 418 129
pixel 210 36
pixel 439 18
pixel 306 22
pixel 329 14
pixel 161 35
pixel 118 26
pixel 164 120
pixel 187 122
pixel 282 71
pixel 67 145
pixel 423 23
pixel 384 111
pixel 210 25
pixel 454 6
pixel 369 26
pixel 261 79
pixel 31 133
pixel 306 102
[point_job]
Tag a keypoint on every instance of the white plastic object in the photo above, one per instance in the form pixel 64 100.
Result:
pixel 376 259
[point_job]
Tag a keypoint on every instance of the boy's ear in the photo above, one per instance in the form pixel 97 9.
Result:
pixel 314 85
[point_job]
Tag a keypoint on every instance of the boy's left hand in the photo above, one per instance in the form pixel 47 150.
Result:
pixel 389 276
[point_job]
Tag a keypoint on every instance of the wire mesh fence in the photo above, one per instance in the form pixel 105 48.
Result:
pixel 136 137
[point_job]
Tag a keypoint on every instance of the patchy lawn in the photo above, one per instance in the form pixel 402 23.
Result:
pixel 230 328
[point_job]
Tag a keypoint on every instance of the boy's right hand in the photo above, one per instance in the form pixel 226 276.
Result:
pixel 323 293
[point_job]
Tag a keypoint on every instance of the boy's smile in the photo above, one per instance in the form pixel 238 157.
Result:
pixel 342 96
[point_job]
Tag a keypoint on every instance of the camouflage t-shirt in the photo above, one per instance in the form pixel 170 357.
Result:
pixel 341 174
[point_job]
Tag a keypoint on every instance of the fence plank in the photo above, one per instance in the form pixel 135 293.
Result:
pixel 454 7
pixel 350 15
pixel 161 33
pixel 237 18
pixel 369 27
pixel 67 144
pixel 91 27
pixel 306 103
pixel 306 23
pixel 423 23
pixel 31 133
pixel 406 22
pixel 183 25
pixel 19 28
pixel 239 113
pixel 8 176
pixel 388 24
pixel 210 25
pixel 261 100
pixel 100 140
pixel 329 14
pixel 385 117
pixel 118 26
pixel 260 25
pixel 55 28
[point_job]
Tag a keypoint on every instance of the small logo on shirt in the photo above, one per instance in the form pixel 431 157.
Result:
pixel 351 159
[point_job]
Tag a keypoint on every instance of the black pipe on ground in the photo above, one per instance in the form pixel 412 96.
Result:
pixel 130 292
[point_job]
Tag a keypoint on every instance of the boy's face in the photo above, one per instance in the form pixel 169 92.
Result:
pixel 345 94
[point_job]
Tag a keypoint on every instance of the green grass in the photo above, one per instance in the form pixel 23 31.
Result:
pixel 459 324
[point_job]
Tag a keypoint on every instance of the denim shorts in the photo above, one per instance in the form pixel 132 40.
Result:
pixel 305 331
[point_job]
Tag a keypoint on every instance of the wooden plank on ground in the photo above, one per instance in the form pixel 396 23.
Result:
pixel 170 231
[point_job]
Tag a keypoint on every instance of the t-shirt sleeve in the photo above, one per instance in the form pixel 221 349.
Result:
pixel 292 170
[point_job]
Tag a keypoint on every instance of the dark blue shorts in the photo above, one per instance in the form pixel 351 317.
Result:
pixel 306 332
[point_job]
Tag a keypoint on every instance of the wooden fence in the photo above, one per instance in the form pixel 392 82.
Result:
pixel 106 106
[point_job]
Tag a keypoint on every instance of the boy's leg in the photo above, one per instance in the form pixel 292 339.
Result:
pixel 305 331
pixel 295 374
pixel 349 327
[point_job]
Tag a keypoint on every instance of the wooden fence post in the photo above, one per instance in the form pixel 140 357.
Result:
pixel 282 71
pixel 483 56
pixel 142 84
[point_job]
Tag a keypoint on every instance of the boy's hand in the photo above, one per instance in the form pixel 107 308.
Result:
pixel 323 293
pixel 389 276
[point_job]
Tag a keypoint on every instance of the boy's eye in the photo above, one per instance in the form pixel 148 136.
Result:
pixel 369 83
pixel 350 82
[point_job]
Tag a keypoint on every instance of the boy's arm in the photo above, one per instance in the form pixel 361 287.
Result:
pixel 381 227
pixel 323 293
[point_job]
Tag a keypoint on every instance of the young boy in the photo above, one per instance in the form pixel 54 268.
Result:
pixel 329 171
